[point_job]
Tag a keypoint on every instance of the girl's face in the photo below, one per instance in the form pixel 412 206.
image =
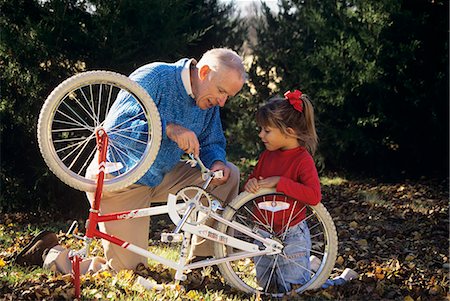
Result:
pixel 274 139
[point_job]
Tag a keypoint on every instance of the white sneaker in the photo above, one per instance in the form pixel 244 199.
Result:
pixel 349 274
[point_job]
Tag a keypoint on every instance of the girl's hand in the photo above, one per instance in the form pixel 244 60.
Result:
pixel 252 185
pixel 270 182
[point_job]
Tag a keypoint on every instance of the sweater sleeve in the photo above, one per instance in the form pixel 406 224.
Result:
pixel 212 141
pixel 126 125
pixel 307 187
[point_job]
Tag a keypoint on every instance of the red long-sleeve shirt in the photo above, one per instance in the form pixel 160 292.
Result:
pixel 298 179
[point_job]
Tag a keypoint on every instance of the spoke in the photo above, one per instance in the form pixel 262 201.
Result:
pixel 263 215
pixel 243 219
pixel 282 278
pixel 317 234
pixel 289 221
pixel 79 154
pixel 99 102
pixel 130 138
pixel 271 274
pixel 112 153
pixel 78 101
pixel 267 268
pixel 90 105
pixel 257 219
pixel 78 146
pixel 117 127
pixel 309 216
pixel 266 216
pixel 69 129
pixel 88 161
pixel 314 226
pixel 117 146
pixel 127 129
pixel 93 105
pixel 317 252
pixel 130 130
pixel 119 152
pixel 69 139
pixel 109 100
pixel 273 217
pixel 89 128
pixel 69 146
pixel 295 216
pixel 259 259
pixel 295 263
pixel 83 123
pixel 126 147
pixel 75 113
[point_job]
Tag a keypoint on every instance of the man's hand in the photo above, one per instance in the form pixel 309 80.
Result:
pixel 253 185
pixel 184 138
pixel 219 165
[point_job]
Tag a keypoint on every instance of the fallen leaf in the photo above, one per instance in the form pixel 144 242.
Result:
pixel 410 257
pixel 353 225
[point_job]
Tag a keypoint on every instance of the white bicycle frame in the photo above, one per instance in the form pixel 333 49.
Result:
pixel 247 249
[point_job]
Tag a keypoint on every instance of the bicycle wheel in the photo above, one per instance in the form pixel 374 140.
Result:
pixel 84 103
pixel 247 274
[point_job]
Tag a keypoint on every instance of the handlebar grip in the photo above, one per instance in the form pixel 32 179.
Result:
pixel 218 174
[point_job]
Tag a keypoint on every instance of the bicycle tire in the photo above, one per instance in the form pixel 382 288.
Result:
pixel 244 279
pixel 70 116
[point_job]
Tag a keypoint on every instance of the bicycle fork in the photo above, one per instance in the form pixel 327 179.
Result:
pixel 91 223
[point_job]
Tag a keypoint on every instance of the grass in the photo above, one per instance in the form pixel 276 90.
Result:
pixel 334 181
pixel 19 283
pixel 168 251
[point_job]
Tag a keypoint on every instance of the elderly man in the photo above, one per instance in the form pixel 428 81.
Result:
pixel 188 95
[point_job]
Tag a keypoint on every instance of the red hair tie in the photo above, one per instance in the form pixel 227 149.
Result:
pixel 294 99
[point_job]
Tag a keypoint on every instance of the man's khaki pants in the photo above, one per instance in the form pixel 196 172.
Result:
pixel 136 231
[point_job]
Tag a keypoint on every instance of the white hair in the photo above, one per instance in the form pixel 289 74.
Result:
pixel 217 58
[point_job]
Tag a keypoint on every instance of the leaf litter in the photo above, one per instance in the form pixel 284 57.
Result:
pixel 394 235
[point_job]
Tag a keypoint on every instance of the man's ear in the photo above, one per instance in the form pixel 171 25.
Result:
pixel 203 72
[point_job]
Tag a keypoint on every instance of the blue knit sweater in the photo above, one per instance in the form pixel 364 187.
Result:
pixel 163 83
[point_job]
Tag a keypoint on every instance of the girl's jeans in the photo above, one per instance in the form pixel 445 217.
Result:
pixel 291 265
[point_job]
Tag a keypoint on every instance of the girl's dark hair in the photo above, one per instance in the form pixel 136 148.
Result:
pixel 278 112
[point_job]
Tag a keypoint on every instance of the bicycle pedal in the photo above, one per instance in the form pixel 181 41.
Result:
pixel 215 205
pixel 171 237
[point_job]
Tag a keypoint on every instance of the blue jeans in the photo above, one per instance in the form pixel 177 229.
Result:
pixel 291 265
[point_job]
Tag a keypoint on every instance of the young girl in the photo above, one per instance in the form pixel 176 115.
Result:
pixel 289 135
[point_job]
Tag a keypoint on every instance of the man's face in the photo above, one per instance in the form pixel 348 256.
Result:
pixel 215 87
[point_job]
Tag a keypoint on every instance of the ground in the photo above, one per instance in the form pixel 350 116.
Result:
pixel 395 235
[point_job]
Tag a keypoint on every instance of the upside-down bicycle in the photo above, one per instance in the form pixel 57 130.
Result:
pixel 72 134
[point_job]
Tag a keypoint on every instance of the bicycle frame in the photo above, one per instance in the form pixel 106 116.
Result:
pixel 202 230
